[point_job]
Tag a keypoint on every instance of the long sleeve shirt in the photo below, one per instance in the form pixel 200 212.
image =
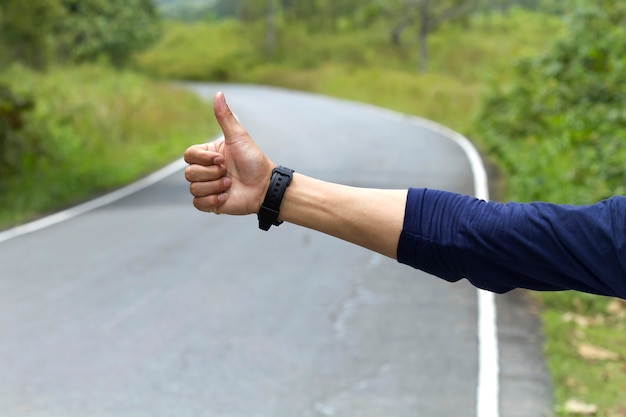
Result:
pixel 499 247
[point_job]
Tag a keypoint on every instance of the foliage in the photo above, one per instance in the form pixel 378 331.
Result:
pixel 559 127
pixel 37 32
pixel 26 28
pixel 98 129
pixel 105 29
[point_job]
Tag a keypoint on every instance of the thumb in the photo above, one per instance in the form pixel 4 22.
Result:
pixel 226 119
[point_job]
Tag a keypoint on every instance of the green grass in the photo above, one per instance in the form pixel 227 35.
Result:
pixel 574 320
pixel 100 129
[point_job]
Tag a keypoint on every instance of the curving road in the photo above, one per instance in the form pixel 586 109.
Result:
pixel 146 307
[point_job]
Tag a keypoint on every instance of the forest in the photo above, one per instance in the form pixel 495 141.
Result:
pixel 537 85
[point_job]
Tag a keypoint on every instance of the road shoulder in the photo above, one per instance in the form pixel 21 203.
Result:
pixel 525 387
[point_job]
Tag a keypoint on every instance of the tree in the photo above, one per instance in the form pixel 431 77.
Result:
pixel 109 29
pixel 269 10
pixel 427 16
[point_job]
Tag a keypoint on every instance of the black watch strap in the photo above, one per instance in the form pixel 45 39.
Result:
pixel 268 213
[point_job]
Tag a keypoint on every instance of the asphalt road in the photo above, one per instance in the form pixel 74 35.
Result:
pixel 146 307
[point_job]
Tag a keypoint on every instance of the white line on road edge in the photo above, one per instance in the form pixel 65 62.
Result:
pixel 488 390
pixel 93 204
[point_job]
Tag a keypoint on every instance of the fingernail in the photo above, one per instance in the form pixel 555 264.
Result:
pixel 222 98
pixel 222 197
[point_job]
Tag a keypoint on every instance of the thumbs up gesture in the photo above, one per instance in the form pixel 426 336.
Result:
pixel 231 174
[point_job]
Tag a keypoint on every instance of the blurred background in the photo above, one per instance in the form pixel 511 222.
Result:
pixel 88 103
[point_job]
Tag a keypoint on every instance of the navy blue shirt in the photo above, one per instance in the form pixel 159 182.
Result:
pixel 499 247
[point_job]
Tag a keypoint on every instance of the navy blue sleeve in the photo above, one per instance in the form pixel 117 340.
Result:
pixel 499 247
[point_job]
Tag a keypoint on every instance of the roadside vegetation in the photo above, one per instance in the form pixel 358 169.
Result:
pixel 75 121
pixel 90 129
pixel 537 87
pixel 358 63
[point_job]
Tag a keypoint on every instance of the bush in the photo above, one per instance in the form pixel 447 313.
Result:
pixel 559 128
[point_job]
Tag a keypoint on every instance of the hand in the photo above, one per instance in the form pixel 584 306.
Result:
pixel 229 175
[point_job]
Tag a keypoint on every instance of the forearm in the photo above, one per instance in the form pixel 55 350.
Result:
pixel 370 218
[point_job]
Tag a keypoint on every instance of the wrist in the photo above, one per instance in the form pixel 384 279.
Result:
pixel 267 177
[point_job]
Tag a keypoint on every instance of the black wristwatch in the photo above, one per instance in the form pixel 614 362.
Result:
pixel 268 213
